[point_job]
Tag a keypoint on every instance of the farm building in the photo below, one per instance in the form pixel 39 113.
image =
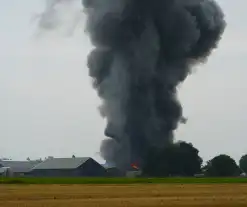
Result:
pixel 68 167
pixel 5 172
pixel 18 168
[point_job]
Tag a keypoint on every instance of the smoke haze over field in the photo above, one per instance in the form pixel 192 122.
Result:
pixel 48 106
pixel 144 50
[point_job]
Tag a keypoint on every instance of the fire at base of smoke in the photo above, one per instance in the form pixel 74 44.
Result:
pixel 154 44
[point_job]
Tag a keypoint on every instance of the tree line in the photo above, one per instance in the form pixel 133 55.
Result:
pixel 182 159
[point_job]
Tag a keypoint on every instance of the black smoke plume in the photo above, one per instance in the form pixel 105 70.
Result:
pixel 143 50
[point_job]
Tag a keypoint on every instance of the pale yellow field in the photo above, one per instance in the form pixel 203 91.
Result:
pixel 142 195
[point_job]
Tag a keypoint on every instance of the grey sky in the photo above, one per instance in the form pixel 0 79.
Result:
pixel 48 107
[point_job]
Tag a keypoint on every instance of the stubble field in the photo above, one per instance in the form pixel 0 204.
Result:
pixel 127 195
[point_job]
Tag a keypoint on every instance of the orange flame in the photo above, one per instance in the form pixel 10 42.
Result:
pixel 134 166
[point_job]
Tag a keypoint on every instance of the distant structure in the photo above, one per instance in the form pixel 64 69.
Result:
pixel 113 171
pixel 5 172
pixel 18 168
pixel 133 171
pixel 68 167
pixel 133 174
pixel 244 175
pixel 64 167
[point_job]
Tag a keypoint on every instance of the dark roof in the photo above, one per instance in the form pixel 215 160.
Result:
pixel 19 166
pixel 61 163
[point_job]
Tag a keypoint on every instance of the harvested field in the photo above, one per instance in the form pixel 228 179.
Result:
pixel 134 195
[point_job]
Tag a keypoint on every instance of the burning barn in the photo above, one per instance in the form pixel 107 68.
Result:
pixel 113 171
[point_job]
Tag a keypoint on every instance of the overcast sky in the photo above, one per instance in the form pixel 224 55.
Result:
pixel 48 107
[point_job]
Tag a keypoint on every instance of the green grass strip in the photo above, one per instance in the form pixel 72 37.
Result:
pixel 121 180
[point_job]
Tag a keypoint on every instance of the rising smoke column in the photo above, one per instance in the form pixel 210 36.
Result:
pixel 143 50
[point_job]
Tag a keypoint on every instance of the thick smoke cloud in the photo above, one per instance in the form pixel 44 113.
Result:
pixel 143 50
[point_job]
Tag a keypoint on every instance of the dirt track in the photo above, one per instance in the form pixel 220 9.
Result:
pixel 123 195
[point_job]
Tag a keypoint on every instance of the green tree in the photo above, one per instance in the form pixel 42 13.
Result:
pixel 189 161
pixel 180 159
pixel 243 163
pixel 222 166
pixel 152 162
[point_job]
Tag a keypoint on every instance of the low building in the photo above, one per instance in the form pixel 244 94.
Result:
pixel 200 175
pixel 133 173
pixel 5 172
pixel 18 168
pixel 68 167
pixel 244 175
pixel 114 172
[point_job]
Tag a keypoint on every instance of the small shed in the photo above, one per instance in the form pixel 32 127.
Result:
pixel 5 172
pixel 244 175
pixel 133 173
pixel 68 167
